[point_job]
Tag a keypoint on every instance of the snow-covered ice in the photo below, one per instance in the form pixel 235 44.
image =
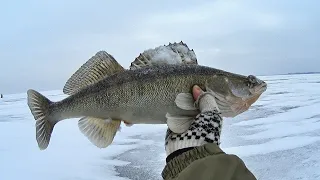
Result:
pixel 278 138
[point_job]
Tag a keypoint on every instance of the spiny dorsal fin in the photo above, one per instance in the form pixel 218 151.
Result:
pixel 96 68
pixel 174 53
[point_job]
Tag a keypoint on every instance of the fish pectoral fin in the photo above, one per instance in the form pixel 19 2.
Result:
pixel 174 53
pixel 96 68
pixel 227 109
pixel 178 124
pixel 100 132
pixel 185 101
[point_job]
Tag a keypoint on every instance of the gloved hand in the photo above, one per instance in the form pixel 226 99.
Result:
pixel 205 128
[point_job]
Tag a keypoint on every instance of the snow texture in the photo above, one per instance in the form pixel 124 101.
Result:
pixel 277 138
pixel 170 54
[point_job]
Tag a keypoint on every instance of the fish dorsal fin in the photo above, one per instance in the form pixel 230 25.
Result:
pixel 96 68
pixel 174 53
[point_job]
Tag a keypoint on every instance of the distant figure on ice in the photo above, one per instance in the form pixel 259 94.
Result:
pixel 1 96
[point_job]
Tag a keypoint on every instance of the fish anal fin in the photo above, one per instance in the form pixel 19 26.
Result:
pixel 100 132
pixel 95 69
pixel 128 124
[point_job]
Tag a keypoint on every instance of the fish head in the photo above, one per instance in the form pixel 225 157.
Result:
pixel 238 93
pixel 246 87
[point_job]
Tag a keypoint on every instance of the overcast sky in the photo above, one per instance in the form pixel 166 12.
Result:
pixel 43 42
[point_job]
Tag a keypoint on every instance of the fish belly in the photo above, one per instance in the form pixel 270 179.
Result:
pixel 149 115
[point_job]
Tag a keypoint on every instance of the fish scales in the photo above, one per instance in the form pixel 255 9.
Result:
pixel 103 94
pixel 139 96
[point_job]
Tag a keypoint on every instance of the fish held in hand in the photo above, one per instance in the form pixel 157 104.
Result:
pixel 102 93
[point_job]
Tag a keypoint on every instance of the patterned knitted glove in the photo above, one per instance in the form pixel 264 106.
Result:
pixel 205 128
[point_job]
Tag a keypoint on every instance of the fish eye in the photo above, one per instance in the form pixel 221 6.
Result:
pixel 252 79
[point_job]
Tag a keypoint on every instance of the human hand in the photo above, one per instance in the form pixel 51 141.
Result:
pixel 205 128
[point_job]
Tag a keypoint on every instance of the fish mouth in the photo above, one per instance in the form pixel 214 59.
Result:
pixel 257 86
pixel 261 88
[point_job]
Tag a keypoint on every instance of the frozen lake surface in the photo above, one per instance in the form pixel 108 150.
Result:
pixel 278 138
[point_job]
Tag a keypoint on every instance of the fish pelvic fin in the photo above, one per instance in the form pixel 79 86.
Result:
pixel 39 106
pixel 179 124
pixel 100 132
pixel 174 53
pixel 95 69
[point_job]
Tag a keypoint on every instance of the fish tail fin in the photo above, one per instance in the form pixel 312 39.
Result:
pixel 39 106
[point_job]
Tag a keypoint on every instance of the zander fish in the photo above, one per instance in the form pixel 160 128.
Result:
pixel 102 93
